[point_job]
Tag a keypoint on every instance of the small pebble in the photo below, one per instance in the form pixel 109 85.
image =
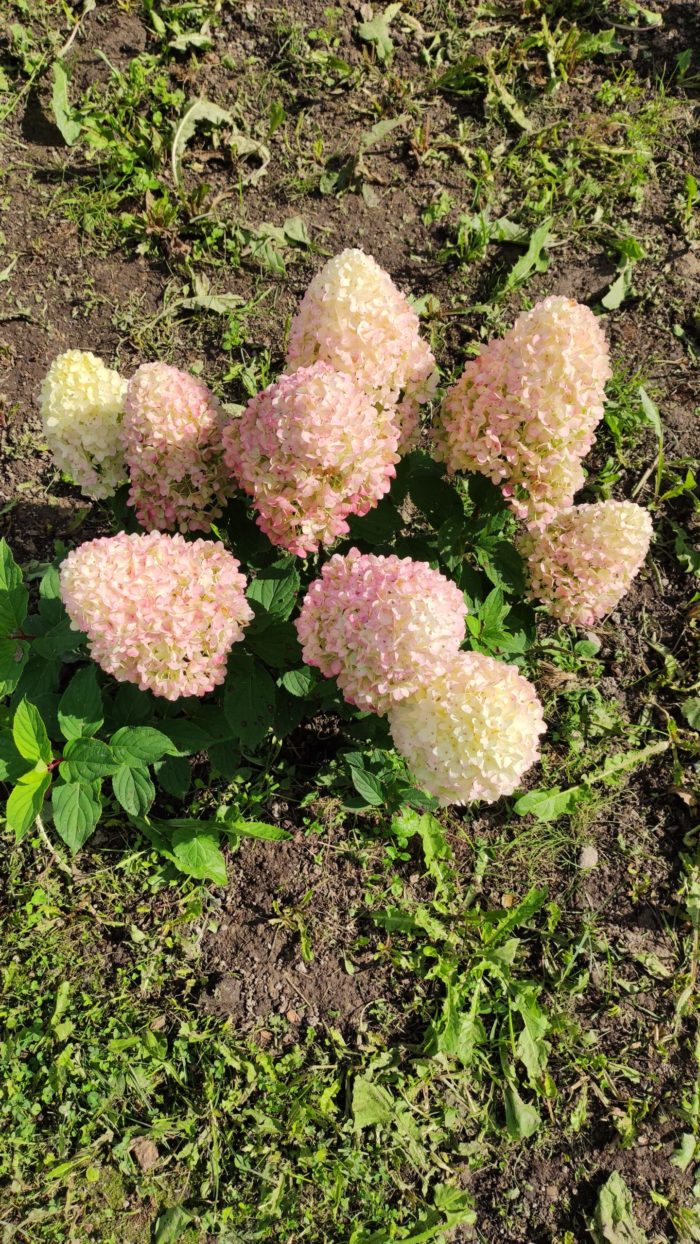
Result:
pixel 588 857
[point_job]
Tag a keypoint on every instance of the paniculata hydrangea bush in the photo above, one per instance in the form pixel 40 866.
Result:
pixel 472 732
pixel 310 450
pixel 584 561
pixel 82 404
pixel 353 317
pixel 158 611
pixel 172 444
pixel 525 409
pixel 320 455
pixel 383 626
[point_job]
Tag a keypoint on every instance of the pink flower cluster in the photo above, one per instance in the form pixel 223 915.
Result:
pixel 311 450
pixel 383 626
pixel 158 611
pixel 523 411
pixel 353 317
pixel 472 732
pixel 583 563
pixel 172 443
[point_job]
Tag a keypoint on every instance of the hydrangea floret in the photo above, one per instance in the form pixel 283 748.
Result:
pixel 311 450
pixel 82 404
pixel 353 317
pixel 584 561
pixel 472 732
pixel 383 626
pixel 172 441
pixel 158 611
pixel 524 411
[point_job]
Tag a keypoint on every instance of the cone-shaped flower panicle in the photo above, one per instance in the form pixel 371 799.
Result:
pixel 158 611
pixel 471 733
pixel 384 626
pixel 584 561
pixel 310 450
pixel 354 317
pixel 524 411
pixel 172 441
pixel 82 404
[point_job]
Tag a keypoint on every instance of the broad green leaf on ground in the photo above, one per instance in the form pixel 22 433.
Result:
pixel 436 849
pixel 548 805
pixel 86 760
pixel 134 789
pixel 62 112
pixel 25 801
pixel 29 733
pixel 172 1225
pixel 256 829
pixel 522 1119
pixel 13 658
pixel 140 745
pixel 76 811
pixel 80 710
pixel 241 145
pixel 371 1104
pixel 613 1221
pixel 199 854
pixel 376 33
pixel 534 260
pixel 14 596
pixel 249 700
pixel 691 711
pixel 531 1047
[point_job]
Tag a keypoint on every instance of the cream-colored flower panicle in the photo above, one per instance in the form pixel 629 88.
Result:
pixel 472 732
pixel 383 626
pixel 584 562
pixel 172 439
pixel 524 411
pixel 82 404
pixel 159 611
pixel 354 317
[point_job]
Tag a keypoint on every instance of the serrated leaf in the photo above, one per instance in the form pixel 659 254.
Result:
pixel 367 785
pixel 199 854
pixel 80 710
pixel 62 112
pixel 25 801
pixel 12 764
pixel 522 1119
pixel 13 658
pixel 140 745
pixel 276 589
pixel 76 811
pixel 14 596
pixel 249 699
pixel 86 760
pixel 174 775
pixel 29 733
pixel 300 682
pixel 134 789
pixel 371 1104
pixel 531 1047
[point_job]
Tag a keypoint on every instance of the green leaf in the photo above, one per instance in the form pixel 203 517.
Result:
pixel 172 1225
pixel 651 413
pixel 14 596
pixel 368 785
pixel 249 699
pixel 29 733
pixel 522 1119
pixel 691 711
pixel 12 764
pixel 199 854
pixel 613 1220
pixel 134 789
pixel 619 289
pixel 76 811
pixel 548 805
pixel 140 745
pixel 435 498
pixel 371 1104
pixel 379 526
pixel 257 829
pixel 274 641
pixel 174 775
pixel 436 849
pixel 86 760
pixel 70 129
pixel 200 110
pixel 13 658
pixel 531 1047
pixel 57 640
pixel 300 682
pixel 80 711
pixel 377 34
pixel 276 589
pixel 186 736
pixel 532 261
pixel 25 802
